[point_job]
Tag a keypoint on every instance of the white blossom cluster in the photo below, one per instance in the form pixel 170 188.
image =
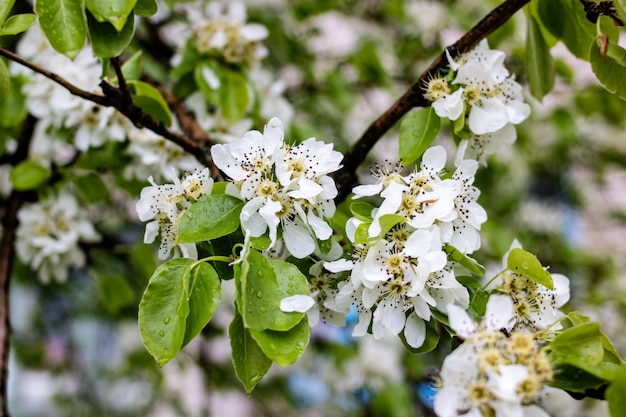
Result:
pixel 164 205
pixel 535 306
pixel 396 280
pixel 480 93
pixel 49 235
pixel 57 109
pixel 286 188
pixel 221 29
pixel 496 371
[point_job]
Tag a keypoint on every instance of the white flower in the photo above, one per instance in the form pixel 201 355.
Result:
pixel 49 234
pixel 224 30
pixel 499 315
pixel 153 153
pixel 536 307
pixel 486 94
pixel 463 232
pixel 285 188
pixel 422 198
pixel 493 372
pixel 165 205
pixel 479 146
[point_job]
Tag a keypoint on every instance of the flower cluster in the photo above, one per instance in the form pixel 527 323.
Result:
pixel 225 33
pixel 286 188
pixel 399 270
pixel 493 372
pixel 479 93
pixel 57 109
pixel 49 235
pixel 165 204
pixel 535 306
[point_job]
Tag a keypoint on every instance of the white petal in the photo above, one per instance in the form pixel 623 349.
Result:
pixel 254 32
pixel 499 313
pixel 367 190
pixel 297 303
pixel 152 231
pixel 414 331
pixel 460 321
pixel 365 317
pixel 339 265
pixel 298 240
pixel 561 289
pixel 273 135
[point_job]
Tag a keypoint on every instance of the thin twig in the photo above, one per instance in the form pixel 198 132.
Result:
pixel 121 80
pixel 414 97
pixel 7 255
pixel 113 97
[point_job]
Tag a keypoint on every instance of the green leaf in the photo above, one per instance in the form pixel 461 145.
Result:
pixel 362 234
pixel 205 294
pixel 611 68
pixel 115 12
pixel 362 211
pixel 262 287
pixel 28 175
pixel 234 95
pixel 5 80
pixel 132 67
pixel 91 188
pixel 580 344
pixel 13 104
pixel 478 304
pixel 5 9
pixel 539 63
pixel 284 347
pixel 418 130
pixel 106 41
pixel 150 100
pixel 115 292
pixel 606 26
pixel 18 23
pixel 249 361
pixel 393 400
pixel 468 263
pixel 576 32
pixel 387 221
pixel 210 217
pixel 615 393
pixel 525 263
pixel 290 282
pixel 224 87
pixel 573 379
pixel 146 7
pixel 63 23
pixel 164 308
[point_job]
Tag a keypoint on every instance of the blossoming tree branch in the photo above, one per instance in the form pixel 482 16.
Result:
pixel 232 195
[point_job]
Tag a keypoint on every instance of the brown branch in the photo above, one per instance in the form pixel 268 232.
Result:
pixel 121 80
pixel 113 97
pixel 7 255
pixel 414 97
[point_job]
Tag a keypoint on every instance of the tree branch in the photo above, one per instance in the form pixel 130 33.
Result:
pixel 114 97
pixel 7 255
pixel 414 97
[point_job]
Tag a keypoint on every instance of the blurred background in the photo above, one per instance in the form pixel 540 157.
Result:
pixel 331 67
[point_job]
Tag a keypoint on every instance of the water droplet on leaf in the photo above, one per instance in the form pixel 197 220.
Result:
pixel 166 320
pixel 161 333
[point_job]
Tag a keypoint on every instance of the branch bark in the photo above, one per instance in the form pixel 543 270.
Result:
pixel 414 97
